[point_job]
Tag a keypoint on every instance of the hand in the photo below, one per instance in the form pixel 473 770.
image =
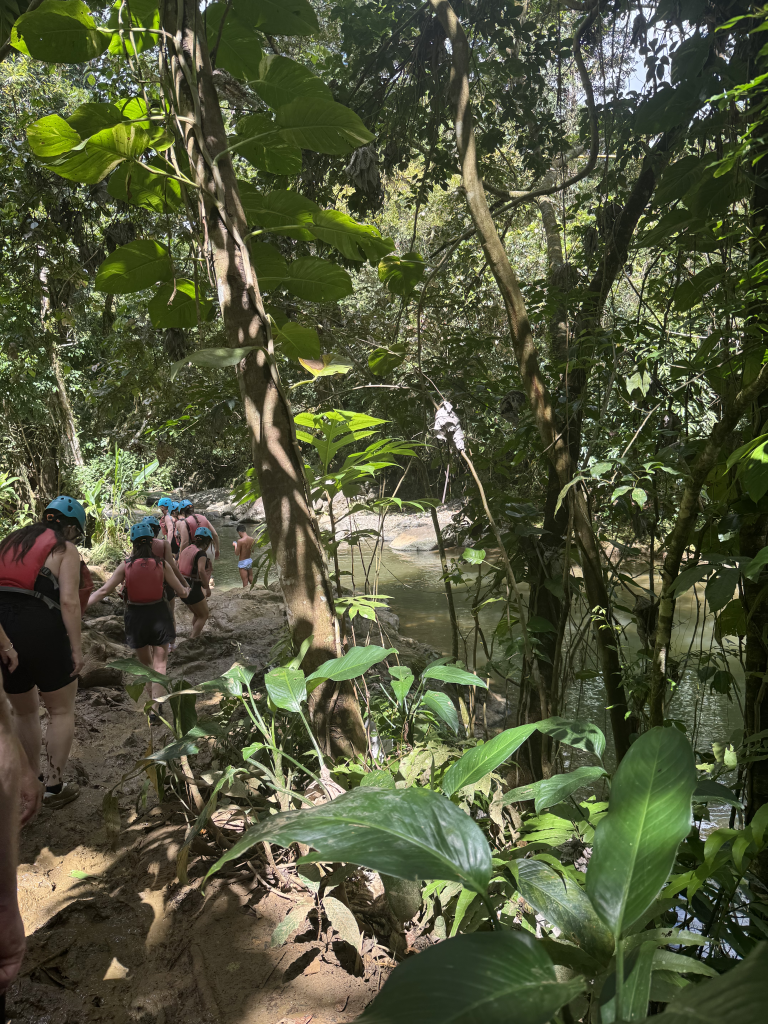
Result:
pixel 12 941
pixel 207 591
pixel 31 790
pixel 218 552
pixel 79 662
pixel 10 658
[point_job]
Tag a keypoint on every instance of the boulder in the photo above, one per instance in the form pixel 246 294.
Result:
pixel 418 538
pixel 251 513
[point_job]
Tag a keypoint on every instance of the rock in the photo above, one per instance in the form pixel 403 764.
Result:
pixel 220 509
pixel 253 513
pixel 419 538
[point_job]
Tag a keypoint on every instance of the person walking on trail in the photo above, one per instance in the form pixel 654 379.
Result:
pixel 43 587
pixel 162 549
pixel 195 567
pixel 168 523
pixel 149 627
pixel 243 549
pixel 190 523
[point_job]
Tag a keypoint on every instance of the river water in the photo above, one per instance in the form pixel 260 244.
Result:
pixel 413 581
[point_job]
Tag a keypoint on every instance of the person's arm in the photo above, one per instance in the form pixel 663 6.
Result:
pixel 12 942
pixel 184 539
pixel 175 580
pixel 204 572
pixel 216 544
pixel 69 601
pixel 8 654
pixel 112 583
pixel 170 560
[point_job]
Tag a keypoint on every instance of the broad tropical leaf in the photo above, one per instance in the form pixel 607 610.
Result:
pixel 133 267
pixel 51 137
pixel 298 342
pixel 410 833
pixel 237 46
pixel 318 280
pixel 287 688
pixel 101 153
pixel 649 814
pixel 279 17
pixel 453 674
pixel 90 118
pixel 401 274
pixel 737 995
pixel 442 705
pixel 217 358
pixel 355 241
pixel 136 183
pixel 565 905
pixel 322 127
pixel 61 32
pixel 354 663
pixel 548 792
pixel 576 732
pixel 271 268
pixel 485 757
pixel 259 141
pixel 500 977
pixel 384 360
pixel 167 309
pixel 282 80
pixel 401 679
pixel 283 213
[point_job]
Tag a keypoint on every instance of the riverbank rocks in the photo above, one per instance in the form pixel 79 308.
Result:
pixel 418 538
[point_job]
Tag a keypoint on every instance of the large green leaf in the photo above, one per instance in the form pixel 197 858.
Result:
pixel 287 688
pixel 322 126
pixel 182 310
pixel 442 705
pixel 298 342
pixel 453 674
pixel 401 274
pixel 237 45
pixel 60 32
pixel 501 977
pixel 271 268
pixel 410 833
pixel 282 80
pixel 754 472
pixel 279 17
pixel 216 358
pixel 576 732
pixel 283 213
pixel 134 266
pixel 144 14
pixel 382 361
pixel 318 280
pixel 737 995
pixel 101 153
pixel 548 792
pixel 678 178
pixel 708 791
pixel 136 183
pixel 485 757
pixel 565 905
pixel 649 814
pixel 720 588
pixel 689 58
pixel 355 241
pixel 353 664
pixel 51 137
pixel 325 367
pixel 90 118
pixel 260 142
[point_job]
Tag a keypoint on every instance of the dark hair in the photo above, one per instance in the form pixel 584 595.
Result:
pixel 21 542
pixel 206 541
pixel 242 528
pixel 142 548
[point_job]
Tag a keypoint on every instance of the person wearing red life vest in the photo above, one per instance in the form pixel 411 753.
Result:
pixel 195 567
pixel 189 523
pixel 168 523
pixel 161 548
pixel 42 590
pixel 149 627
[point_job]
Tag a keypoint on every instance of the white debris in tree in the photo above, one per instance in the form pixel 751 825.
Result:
pixel 447 427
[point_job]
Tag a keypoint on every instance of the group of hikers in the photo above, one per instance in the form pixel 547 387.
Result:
pixel 44 589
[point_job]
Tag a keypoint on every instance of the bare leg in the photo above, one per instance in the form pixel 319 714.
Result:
pixel 244 574
pixel 200 612
pixel 60 705
pixel 160 665
pixel 26 709
pixel 250 577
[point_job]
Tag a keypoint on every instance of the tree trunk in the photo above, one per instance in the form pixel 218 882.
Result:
pixel 555 443
pixel 63 412
pixel 190 90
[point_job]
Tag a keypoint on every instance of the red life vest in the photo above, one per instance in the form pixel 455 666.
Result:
pixel 23 574
pixel 144 578
pixel 188 560
pixel 86 586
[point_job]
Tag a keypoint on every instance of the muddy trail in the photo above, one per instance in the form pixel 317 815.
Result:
pixel 112 933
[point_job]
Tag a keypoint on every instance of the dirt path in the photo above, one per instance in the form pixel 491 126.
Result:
pixel 113 936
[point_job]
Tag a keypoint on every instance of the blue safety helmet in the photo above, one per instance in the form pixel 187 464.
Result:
pixel 165 503
pixel 185 503
pixel 203 531
pixel 152 523
pixel 67 507
pixel 175 506
pixel 141 530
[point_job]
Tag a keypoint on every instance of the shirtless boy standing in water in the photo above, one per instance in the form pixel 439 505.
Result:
pixel 244 546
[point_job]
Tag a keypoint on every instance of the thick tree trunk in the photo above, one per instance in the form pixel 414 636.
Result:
pixel 334 710
pixel 554 441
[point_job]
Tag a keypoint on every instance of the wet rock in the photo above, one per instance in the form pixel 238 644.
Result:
pixel 419 538
pixel 251 513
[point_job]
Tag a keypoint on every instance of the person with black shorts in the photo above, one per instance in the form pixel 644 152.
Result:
pixel 195 567
pixel 40 611
pixel 149 627
pixel 161 548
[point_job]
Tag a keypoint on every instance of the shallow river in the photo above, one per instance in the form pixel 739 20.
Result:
pixel 413 581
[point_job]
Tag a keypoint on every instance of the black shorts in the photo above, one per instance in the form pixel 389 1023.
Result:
pixel 196 594
pixel 40 638
pixel 148 625
pixel 168 592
